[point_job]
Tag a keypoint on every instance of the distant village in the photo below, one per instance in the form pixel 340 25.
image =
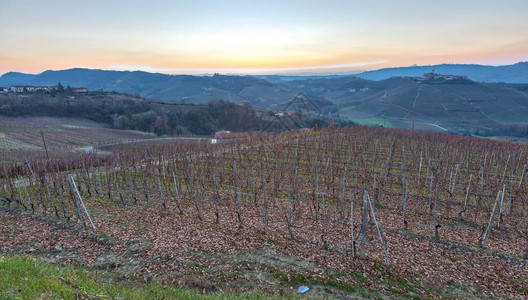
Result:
pixel 41 88
pixel 433 77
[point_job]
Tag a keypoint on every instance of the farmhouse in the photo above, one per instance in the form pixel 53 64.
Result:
pixel 80 90
pixel 22 88
pixel 3 89
pixel 42 88
pixel 30 88
pixel 225 134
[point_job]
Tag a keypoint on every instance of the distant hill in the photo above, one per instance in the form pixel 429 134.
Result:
pixel 517 73
pixel 467 106
pixel 14 78
pixel 91 79
pixel 197 89
pixel 461 106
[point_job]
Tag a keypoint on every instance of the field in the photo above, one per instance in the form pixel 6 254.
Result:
pixel 360 212
pixel 21 138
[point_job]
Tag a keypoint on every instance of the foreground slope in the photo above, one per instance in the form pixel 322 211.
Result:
pixel 272 212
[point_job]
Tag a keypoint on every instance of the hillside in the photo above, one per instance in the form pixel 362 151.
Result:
pixel 465 106
pixel 368 213
pixel 23 137
pixel 119 111
pixel 262 91
pixel 195 89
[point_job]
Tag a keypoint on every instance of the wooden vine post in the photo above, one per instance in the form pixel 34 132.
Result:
pixel 325 245
pixel 362 253
pixel 74 188
pixel 463 212
pixel 387 260
pixel 482 242
pixel 352 240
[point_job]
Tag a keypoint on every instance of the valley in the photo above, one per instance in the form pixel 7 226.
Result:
pixel 460 106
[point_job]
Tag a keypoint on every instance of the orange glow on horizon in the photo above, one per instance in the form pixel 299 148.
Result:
pixel 274 37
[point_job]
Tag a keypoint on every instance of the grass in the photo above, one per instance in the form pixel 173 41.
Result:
pixel 23 277
pixel 296 280
pixel 394 285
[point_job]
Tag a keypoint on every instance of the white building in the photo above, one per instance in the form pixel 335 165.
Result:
pixel 22 88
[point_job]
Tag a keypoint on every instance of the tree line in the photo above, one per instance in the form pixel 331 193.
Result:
pixel 160 117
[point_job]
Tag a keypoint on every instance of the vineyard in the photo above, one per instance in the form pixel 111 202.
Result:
pixel 22 138
pixel 359 212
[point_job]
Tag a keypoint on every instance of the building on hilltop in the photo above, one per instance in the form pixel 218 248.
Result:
pixel 435 77
pixel 21 88
pixel 30 88
pixel 442 78
pixel 80 90
pixel 42 88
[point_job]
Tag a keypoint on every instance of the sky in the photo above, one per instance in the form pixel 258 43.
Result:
pixel 258 37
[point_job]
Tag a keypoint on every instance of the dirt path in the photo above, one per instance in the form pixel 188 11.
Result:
pixel 414 102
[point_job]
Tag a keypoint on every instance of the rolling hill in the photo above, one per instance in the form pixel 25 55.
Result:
pixel 260 93
pixel 398 98
pixel 516 73
pixel 457 107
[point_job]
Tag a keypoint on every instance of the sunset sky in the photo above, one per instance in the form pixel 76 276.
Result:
pixel 263 37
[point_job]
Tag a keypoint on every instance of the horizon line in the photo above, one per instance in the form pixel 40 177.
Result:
pixel 324 70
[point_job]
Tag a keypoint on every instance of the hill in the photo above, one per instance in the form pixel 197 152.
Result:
pixel 90 78
pixel 516 73
pixel 261 91
pixel 119 111
pixel 404 100
pixel 185 88
pixel 458 106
